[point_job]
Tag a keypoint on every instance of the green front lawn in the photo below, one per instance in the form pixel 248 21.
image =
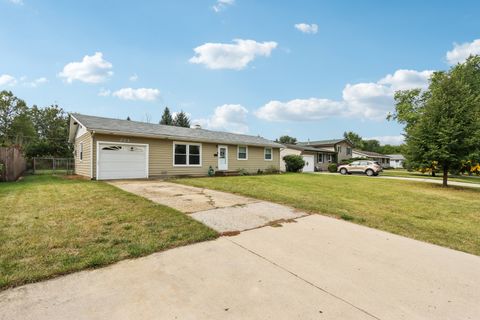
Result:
pixel 51 226
pixel 446 216
pixel 413 174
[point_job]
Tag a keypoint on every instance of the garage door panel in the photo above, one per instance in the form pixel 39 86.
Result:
pixel 122 161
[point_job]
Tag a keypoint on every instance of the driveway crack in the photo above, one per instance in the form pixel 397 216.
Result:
pixel 305 280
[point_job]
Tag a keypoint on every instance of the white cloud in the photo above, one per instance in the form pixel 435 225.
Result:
pixel 17 2
pixel 365 100
pixel 7 80
pixel 231 56
pixel 393 140
pixel 145 94
pixel 300 110
pixel 133 78
pixel 220 5
pixel 35 83
pixel 228 117
pixel 92 69
pixel 461 52
pixel 407 79
pixel 307 28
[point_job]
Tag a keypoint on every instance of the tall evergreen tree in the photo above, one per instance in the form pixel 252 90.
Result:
pixel 181 120
pixel 128 118
pixel 166 117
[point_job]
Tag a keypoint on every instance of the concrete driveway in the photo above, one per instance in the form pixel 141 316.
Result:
pixel 223 212
pixel 314 268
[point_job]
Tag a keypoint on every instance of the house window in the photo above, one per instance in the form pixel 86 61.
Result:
pixel 329 158
pixel 349 151
pixel 268 154
pixel 320 157
pixel 185 154
pixel 339 149
pixel 242 153
pixel 81 151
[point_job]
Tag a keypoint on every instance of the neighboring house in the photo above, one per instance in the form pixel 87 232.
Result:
pixel 396 160
pixel 382 159
pixel 322 153
pixel 121 149
pixel 316 159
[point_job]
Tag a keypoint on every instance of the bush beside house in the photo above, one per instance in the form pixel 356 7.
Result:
pixel 293 163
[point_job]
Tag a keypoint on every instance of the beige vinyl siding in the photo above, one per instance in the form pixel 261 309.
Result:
pixel 343 153
pixel 82 167
pixel 255 159
pixel 161 157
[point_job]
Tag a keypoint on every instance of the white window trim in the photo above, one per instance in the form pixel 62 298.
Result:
pixel 97 160
pixel 238 151
pixel 265 153
pixel 188 154
pixel 80 153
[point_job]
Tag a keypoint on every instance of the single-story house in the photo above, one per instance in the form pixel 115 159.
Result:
pixel 316 159
pixel 107 148
pixel 396 160
pixel 382 159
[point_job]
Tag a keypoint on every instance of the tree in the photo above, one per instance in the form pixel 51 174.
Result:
pixel 442 125
pixel 51 125
pixel 355 139
pixel 287 140
pixel 15 122
pixel 371 145
pixel 128 118
pixel 166 117
pixel 181 120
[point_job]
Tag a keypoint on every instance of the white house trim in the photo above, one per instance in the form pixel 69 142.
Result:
pixel 188 153
pixel 265 153
pixel 238 151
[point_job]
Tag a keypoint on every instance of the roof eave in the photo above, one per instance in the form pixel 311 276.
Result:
pixel 181 138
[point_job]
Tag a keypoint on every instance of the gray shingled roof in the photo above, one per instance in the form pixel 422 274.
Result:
pixel 371 154
pixel 323 142
pixel 107 125
pixel 307 148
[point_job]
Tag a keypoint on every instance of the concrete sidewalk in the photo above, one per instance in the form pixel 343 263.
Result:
pixel 221 211
pixel 315 268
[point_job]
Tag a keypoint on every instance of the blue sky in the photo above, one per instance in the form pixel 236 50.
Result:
pixel 310 69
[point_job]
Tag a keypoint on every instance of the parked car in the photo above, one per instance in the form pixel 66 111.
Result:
pixel 370 168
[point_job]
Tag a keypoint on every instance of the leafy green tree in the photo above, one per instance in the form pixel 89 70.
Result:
pixel 167 117
pixel 128 118
pixel 15 122
pixel 442 125
pixel 287 140
pixel 354 138
pixel 51 124
pixel 371 145
pixel 181 120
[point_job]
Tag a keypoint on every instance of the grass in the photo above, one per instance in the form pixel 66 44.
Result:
pixel 414 174
pixel 448 217
pixel 51 226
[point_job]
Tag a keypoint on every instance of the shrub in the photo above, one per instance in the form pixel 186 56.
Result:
pixel 259 171
pixel 293 163
pixel 332 167
pixel 243 172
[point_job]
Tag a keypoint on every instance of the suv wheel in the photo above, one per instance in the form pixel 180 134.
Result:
pixel 369 172
pixel 343 171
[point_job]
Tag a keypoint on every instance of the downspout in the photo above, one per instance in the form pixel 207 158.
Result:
pixel 92 149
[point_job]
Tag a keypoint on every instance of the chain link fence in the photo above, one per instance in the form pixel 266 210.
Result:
pixel 62 166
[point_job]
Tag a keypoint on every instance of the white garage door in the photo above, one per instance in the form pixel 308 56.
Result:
pixel 122 161
pixel 309 163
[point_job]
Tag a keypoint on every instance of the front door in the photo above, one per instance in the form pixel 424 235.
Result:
pixel 222 158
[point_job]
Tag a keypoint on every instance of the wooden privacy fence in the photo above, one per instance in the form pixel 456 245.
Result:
pixel 12 163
